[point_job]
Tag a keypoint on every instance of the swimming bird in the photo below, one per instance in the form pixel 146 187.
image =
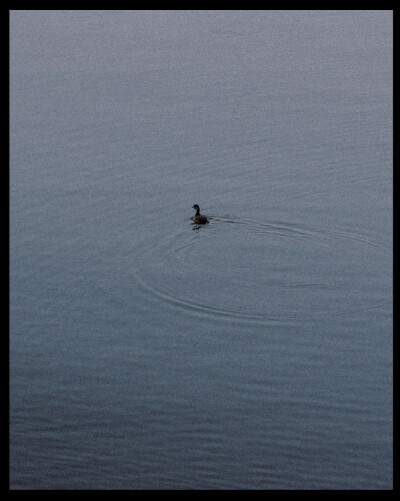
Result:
pixel 199 218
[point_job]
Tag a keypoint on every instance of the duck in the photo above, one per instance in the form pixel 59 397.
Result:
pixel 199 218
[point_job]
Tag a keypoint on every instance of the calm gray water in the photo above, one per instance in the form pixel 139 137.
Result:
pixel 251 353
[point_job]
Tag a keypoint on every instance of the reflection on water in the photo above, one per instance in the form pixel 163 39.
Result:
pixel 197 226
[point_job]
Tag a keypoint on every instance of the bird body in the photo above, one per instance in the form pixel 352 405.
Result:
pixel 199 218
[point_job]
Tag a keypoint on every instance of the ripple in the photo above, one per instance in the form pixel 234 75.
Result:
pixel 297 273
pixel 197 307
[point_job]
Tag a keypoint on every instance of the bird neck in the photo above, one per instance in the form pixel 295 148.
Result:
pixel 197 211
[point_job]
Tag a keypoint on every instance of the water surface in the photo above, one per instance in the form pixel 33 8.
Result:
pixel 251 353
